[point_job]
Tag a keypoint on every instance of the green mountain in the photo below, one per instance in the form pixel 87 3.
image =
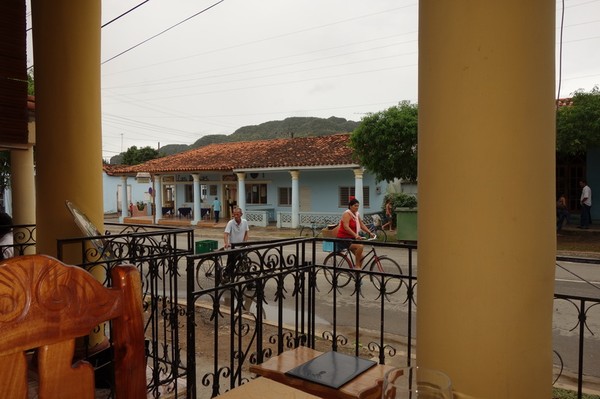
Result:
pixel 289 127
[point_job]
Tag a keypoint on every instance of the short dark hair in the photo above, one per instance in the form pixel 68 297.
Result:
pixel 6 223
pixel 352 202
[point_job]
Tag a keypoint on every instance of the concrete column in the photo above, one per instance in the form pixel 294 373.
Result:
pixel 241 191
pixel 66 46
pixel 295 198
pixel 124 200
pixel 486 235
pixel 197 199
pixel 23 190
pixel 157 199
pixel 358 189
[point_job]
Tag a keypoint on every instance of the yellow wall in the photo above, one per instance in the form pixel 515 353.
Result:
pixel 69 138
pixel 486 195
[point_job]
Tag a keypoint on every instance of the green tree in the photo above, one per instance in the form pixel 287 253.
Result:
pixel 385 142
pixel 578 124
pixel 134 156
pixel 4 170
pixel 30 83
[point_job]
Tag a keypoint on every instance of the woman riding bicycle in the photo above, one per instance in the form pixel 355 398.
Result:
pixel 350 227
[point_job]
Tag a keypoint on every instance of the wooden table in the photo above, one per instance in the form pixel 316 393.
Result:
pixel 264 388
pixel 365 386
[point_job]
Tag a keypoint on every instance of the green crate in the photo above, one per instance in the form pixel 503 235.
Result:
pixel 206 246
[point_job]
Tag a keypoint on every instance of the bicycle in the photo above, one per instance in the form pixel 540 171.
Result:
pixel 310 230
pixel 210 272
pixel 343 260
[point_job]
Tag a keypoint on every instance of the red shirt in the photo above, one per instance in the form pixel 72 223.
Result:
pixel 342 233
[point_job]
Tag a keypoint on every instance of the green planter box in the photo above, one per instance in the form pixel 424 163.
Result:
pixel 406 224
pixel 206 246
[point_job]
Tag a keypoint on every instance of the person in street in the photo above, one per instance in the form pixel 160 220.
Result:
pixel 216 205
pixel 388 221
pixel 562 212
pixel 6 236
pixel 236 232
pixel 586 205
pixel 351 225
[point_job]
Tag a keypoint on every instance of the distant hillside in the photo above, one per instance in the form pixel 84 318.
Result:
pixel 295 126
pixel 170 149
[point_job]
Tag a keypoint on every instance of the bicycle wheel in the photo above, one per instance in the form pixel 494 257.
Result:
pixel 383 264
pixel 206 273
pixel 307 231
pixel 248 269
pixel 341 266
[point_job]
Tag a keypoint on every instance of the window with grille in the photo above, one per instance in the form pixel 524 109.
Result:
pixel 189 193
pixel 256 193
pixel 345 193
pixel 285 196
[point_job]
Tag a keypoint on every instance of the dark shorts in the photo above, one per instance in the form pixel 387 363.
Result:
pixel 342 245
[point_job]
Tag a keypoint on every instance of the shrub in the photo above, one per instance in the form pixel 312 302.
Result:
pixel 400 200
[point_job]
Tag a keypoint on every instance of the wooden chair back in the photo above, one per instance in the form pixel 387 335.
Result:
pixel 46 304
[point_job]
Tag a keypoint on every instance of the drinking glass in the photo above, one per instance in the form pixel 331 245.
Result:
pixel 416 383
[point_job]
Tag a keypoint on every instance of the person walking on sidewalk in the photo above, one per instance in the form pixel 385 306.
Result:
pixel 216 205
pixel 586 205
pixel 562 212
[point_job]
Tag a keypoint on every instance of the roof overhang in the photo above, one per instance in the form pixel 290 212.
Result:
pixel 288 168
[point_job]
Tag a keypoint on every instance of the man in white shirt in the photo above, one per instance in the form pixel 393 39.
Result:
pixel 586 205
pixel 236 232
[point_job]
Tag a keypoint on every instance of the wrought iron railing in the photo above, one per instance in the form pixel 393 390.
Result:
pixel 280 298
pixel 156 252
pixel 280 295
pixel 576 327
pixel 23 240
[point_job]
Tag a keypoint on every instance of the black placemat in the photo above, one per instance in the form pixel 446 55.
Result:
pixel 332 369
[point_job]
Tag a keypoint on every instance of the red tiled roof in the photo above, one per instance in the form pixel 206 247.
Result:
pixel 332 150
pixel 562 102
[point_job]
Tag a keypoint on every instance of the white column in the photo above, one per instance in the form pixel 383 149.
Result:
pixel 295 198
pixel 241 191
pixel 23 191
pixel 157 199
pixel 358 188
pixel 197 198
pixel 124 199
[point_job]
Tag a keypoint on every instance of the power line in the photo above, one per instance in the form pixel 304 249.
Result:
pixel 108 23
pixel 125 13
pixel 164 31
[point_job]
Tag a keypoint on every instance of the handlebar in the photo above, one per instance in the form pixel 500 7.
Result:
pixel 368 239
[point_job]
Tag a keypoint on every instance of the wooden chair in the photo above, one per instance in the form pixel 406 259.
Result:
pixel 46 304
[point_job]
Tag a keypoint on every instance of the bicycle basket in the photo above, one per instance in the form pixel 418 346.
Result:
pixel 330 231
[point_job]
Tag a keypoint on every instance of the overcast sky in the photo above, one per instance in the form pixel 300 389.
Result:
pixel 244 62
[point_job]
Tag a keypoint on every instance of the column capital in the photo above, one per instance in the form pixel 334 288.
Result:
pixel 295 174
pixel 241 176
pixel 196 177
pixel 358 173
